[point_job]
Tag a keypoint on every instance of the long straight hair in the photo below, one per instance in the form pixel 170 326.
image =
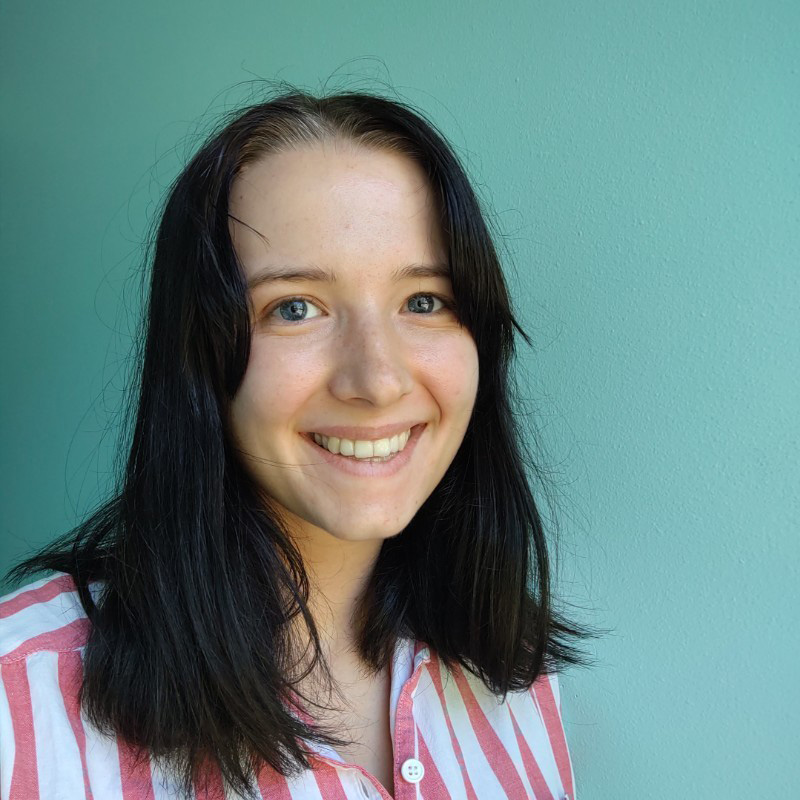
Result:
pixel 189 656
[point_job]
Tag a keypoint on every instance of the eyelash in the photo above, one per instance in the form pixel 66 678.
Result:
pixel 445 301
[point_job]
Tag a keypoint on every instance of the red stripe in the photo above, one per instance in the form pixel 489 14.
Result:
pixel 31 597
pixel 496 754
pixel 70 678
pixel 25 773
pixel 134 768
pixel 555 730
pixel 68 637
pixel 329 781
pixel 432 782
pixel 273 785
pixel 541 791
pixel 210 785
pixel 436 677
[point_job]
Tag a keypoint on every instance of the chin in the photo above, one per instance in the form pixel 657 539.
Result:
pixel 363 530
pixel 364 533
pixel 353 523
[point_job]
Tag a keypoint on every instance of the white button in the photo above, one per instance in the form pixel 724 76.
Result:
pixel 412 770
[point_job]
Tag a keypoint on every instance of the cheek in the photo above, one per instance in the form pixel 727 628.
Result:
pixel 274 388
pixel 454 373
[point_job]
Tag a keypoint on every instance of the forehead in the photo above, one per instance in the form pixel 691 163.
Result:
pixel 334 203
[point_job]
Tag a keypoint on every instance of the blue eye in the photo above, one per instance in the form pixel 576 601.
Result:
pixel 424 302
pixel 295 309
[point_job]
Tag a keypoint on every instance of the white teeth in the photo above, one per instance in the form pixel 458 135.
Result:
pixel 364 449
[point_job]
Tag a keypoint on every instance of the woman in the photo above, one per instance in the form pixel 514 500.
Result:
pixel 323 573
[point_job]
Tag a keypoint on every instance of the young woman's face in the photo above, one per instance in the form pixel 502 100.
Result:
pixel 352 339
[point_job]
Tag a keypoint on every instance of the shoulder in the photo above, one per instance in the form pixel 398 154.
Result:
pixel 512 746
pixel 44 616
pixel 43 742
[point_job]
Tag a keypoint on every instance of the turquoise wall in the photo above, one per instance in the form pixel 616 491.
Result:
pixel 642 161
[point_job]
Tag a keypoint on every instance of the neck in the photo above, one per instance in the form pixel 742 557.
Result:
pixel 338 571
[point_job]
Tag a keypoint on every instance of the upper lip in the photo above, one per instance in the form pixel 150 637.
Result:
pixel 365 434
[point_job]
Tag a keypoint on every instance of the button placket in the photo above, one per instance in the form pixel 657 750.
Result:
pixel 411 770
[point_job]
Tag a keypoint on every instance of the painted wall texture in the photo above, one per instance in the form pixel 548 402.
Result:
pixel 641 162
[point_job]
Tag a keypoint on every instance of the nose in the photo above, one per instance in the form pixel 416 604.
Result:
pixel 371 363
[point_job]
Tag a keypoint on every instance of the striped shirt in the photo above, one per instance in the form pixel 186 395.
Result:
pixel 451 737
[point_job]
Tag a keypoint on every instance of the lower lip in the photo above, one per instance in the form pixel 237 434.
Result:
pixel 370 469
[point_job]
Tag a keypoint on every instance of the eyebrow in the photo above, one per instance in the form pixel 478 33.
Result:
pixel 314 273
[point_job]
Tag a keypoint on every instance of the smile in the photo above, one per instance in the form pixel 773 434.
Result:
pixel 367 458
